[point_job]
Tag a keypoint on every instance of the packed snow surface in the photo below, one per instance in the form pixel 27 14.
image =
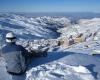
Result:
pixel 59 71
pixel 66 65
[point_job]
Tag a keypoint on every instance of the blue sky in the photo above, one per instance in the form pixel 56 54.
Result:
pixel 49 5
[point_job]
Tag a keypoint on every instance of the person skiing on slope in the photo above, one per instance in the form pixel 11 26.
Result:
pixel 15 55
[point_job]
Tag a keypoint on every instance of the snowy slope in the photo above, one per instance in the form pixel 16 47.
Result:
pixel 63 66
pixel 85 26
pixel 72 63
pixel 59 71
pixel 88 22
pixel 32 28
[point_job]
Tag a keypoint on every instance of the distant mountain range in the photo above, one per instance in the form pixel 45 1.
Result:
pixel 73 16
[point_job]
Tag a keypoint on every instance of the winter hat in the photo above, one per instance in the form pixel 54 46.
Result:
pixel 10 37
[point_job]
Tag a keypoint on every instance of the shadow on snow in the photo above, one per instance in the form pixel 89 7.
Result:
pixel 70 58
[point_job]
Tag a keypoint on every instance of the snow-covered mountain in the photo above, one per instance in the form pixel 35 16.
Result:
pixel 32 28
pixel 74 62
pixel 85 26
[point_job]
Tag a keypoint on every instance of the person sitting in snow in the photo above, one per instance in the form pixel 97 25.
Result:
pixel 15 55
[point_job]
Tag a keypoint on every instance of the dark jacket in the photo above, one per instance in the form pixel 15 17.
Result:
pixel 15 56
